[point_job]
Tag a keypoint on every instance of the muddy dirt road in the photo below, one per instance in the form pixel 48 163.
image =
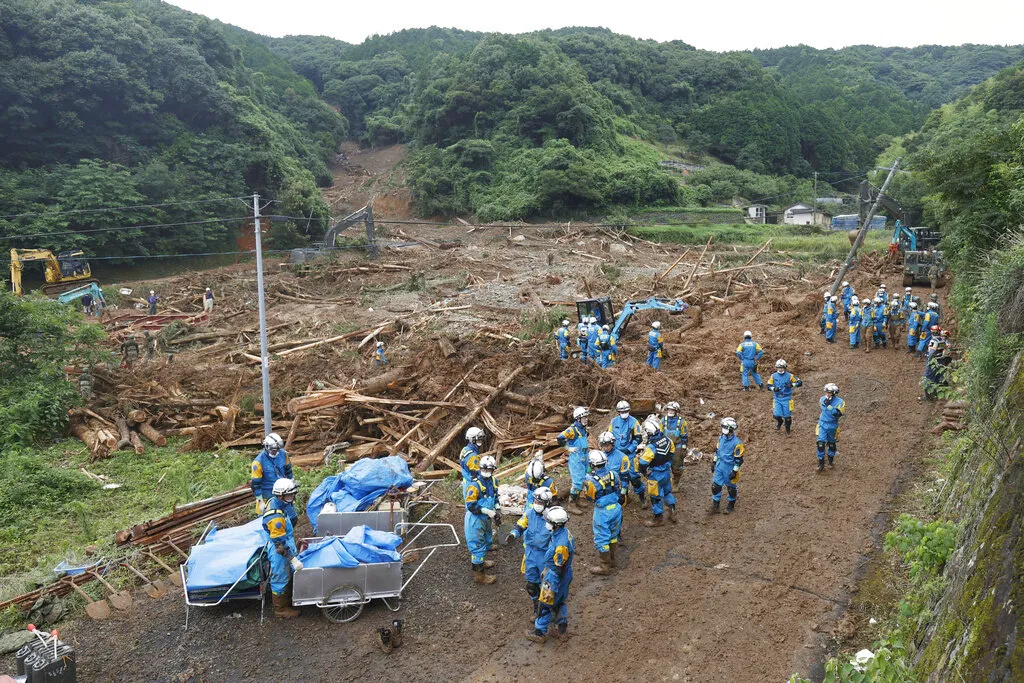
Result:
pixel 747 597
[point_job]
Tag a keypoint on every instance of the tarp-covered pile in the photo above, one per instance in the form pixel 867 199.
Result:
pixel 225 555
pixel 358 487
pixel 360 545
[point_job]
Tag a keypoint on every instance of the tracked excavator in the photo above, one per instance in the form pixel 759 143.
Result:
pixel 918 245
pixel 65 271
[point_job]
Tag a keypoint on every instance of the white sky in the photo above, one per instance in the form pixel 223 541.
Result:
pixel 708 24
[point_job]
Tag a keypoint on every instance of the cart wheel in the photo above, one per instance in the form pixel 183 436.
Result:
pixel 350 602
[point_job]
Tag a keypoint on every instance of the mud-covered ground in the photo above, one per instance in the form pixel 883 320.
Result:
pixel 749 597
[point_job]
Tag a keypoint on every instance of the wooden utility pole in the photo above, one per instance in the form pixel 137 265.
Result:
pixel 863 230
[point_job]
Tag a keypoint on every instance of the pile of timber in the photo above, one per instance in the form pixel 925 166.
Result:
pixel 113 431
pixel 176 529
pixel 952 418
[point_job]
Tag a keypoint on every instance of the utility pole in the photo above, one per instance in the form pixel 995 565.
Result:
pixel 814 212
pixel 264 359
pixel 863 229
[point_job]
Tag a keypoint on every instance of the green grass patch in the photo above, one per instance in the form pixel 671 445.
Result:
pixel 788 238
pixel 50 510
pixel 690 209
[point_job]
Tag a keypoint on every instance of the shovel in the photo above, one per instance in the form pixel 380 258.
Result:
pixel 172 576
pixel 96 609
pixel 119 600
pixel 150 588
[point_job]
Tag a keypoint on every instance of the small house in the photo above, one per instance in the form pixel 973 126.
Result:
pixel 802 214
pixel 757 213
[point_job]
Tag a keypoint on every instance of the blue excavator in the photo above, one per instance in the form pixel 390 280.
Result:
pixel 602 310
pixel 918 246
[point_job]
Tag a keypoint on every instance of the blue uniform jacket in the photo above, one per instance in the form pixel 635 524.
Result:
pixel 469 461
pixel 749 351
pixel 831 411
pixel 558 567
pixel 675 429
pixel 562 335
pixel 574 439
pixel 654 342
pixel 782 384
pixel 626 432
pixel 730 450
pixel 266 469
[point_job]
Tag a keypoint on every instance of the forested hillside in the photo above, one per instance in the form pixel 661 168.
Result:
pixel 138 102
pixel 113 104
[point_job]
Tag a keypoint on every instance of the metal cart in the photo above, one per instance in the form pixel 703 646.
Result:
pixel 343 592
pixel 251 584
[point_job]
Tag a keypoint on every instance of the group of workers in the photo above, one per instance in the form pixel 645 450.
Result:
pixel 595 343
pixel 598 345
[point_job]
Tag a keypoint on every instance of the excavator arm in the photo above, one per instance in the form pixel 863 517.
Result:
pixel 631 307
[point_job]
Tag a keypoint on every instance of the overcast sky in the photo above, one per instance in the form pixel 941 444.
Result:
pixel 709 24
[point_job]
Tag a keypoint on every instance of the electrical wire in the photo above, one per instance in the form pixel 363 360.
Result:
pixel 250 252
pixel 125 227
pixel 121 208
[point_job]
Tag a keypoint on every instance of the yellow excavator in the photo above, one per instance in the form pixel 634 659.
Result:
pixel 65 271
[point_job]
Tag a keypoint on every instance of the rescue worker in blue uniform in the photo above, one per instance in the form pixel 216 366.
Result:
pixel 655 345
pixel 562 337
pixel 581 338
pixel 930 320
pixel 654 463
pixel 278 523
pixel 908 296
pixel 626 430
pixel 673 425
pixel 593 330
pixel 867 315
pixel 882 293
pixel 879 323
pixel 575 439
pixel 933 298
pixel 532 529
pixel 535 478
pixel 831 319
pixel 617 460
pixel 824 309
pixel 605 348
pixel 378 355
pixel 915 318
pixel 556 578
pixel 481 498
pixel 604 486
pixel 469 458
pixel 847 295
pixel 749 352
pixel 827 431
pixel 727 462
pixel 269 465
pixel 856 315
pixel 782 382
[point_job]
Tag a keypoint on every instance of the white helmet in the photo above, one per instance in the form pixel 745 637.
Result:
pixel 285 487
pixel 380 344
pixel 535 470
pixel 565 323
pixel 846 283
pixel 781 364
pixel 932 304
pixel 877 300
pixel 748 334
pixel 556 516
pixel 593 320
pixel 833 298
pixel 605 437
pixel 273 442
pixel 475 435
pixel 913 304
pixel 580 412
pixel 487 466
pixel 606 328
pixel 826 295
pixel 854 300
pixel 651 426
pixel 597 459
pixel 673 406
pixel 831 388
pixel 656 324
pixel 152 292
pixel 881 286
pixel 622 407
pixel 729 424
pixel 543 494
pixel 933 296
pixel 908 290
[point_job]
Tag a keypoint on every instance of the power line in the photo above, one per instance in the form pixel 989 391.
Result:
pixel 120 208
pixel 125 227
pixel 237 253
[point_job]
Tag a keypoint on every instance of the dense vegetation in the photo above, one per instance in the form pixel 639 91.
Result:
pixel 107 104
pixel 112 103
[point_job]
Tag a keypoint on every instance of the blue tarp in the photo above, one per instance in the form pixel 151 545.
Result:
pixel 359 486
pixel 224 555
pixel 360 545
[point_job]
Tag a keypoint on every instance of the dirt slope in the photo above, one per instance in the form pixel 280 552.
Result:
pixel 748 597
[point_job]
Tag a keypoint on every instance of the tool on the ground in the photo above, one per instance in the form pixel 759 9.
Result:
pixel 96 609
pixel 119 600
pixel 151 589
pixel 168 541
pixel 172 576
pixel 384 639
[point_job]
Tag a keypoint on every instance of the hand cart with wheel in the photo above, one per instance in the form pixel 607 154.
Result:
pixel 343 592
pixel 392 508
